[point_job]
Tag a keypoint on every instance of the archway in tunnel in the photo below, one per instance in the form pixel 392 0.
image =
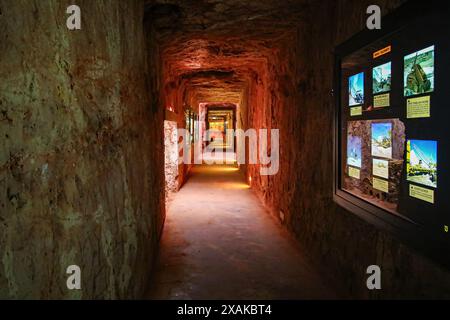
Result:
pixel 197 139
pixel 221 125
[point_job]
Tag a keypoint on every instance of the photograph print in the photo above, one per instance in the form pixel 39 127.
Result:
pixel 381 78
pixel 382 140
pixel 419 72
pixel 356 89
pixel 421 162
pixel 354 151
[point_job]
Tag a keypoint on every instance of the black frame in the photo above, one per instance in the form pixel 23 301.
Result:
pixel 399 226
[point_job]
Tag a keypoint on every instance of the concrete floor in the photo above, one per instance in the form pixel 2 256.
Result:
pixel 220 243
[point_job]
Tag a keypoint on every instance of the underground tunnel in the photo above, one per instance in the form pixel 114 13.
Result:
pixel 223 149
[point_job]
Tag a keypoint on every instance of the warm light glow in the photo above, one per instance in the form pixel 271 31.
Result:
pixel 250 180
pixel 220 168
pixel 233 185
pixel 228 169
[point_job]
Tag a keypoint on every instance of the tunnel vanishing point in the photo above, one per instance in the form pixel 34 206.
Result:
pixel 90 170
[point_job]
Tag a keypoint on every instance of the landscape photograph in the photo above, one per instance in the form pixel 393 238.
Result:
pixel 419 72
pixel 421 162
pixel 382 140
pixel 381 78
pixel 354 151
pixel 356 89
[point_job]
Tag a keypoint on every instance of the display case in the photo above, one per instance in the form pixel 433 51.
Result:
pixel 391 158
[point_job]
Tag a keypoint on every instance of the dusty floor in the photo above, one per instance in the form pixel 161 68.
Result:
pixel 219 243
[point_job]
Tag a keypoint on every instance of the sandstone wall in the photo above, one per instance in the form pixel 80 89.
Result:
pixel 170 158
pixel 80 127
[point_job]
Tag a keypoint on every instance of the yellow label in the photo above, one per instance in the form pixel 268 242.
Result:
pixel 380 168
pixel 381 185
pixel 354 173
pixel 421 193
pixel 382 100
pixel 418 107
pixel 446 229
pixel 382 52
pixel 356 111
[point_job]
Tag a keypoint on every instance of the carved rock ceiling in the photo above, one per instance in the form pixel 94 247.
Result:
pixel 217 47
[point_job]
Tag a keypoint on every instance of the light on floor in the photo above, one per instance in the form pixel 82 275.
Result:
pixel 234 185
pixel 220 168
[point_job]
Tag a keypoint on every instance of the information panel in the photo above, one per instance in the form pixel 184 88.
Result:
pixel 393 126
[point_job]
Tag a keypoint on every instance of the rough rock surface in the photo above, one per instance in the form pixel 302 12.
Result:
pixel 79 182
pixel 170 158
